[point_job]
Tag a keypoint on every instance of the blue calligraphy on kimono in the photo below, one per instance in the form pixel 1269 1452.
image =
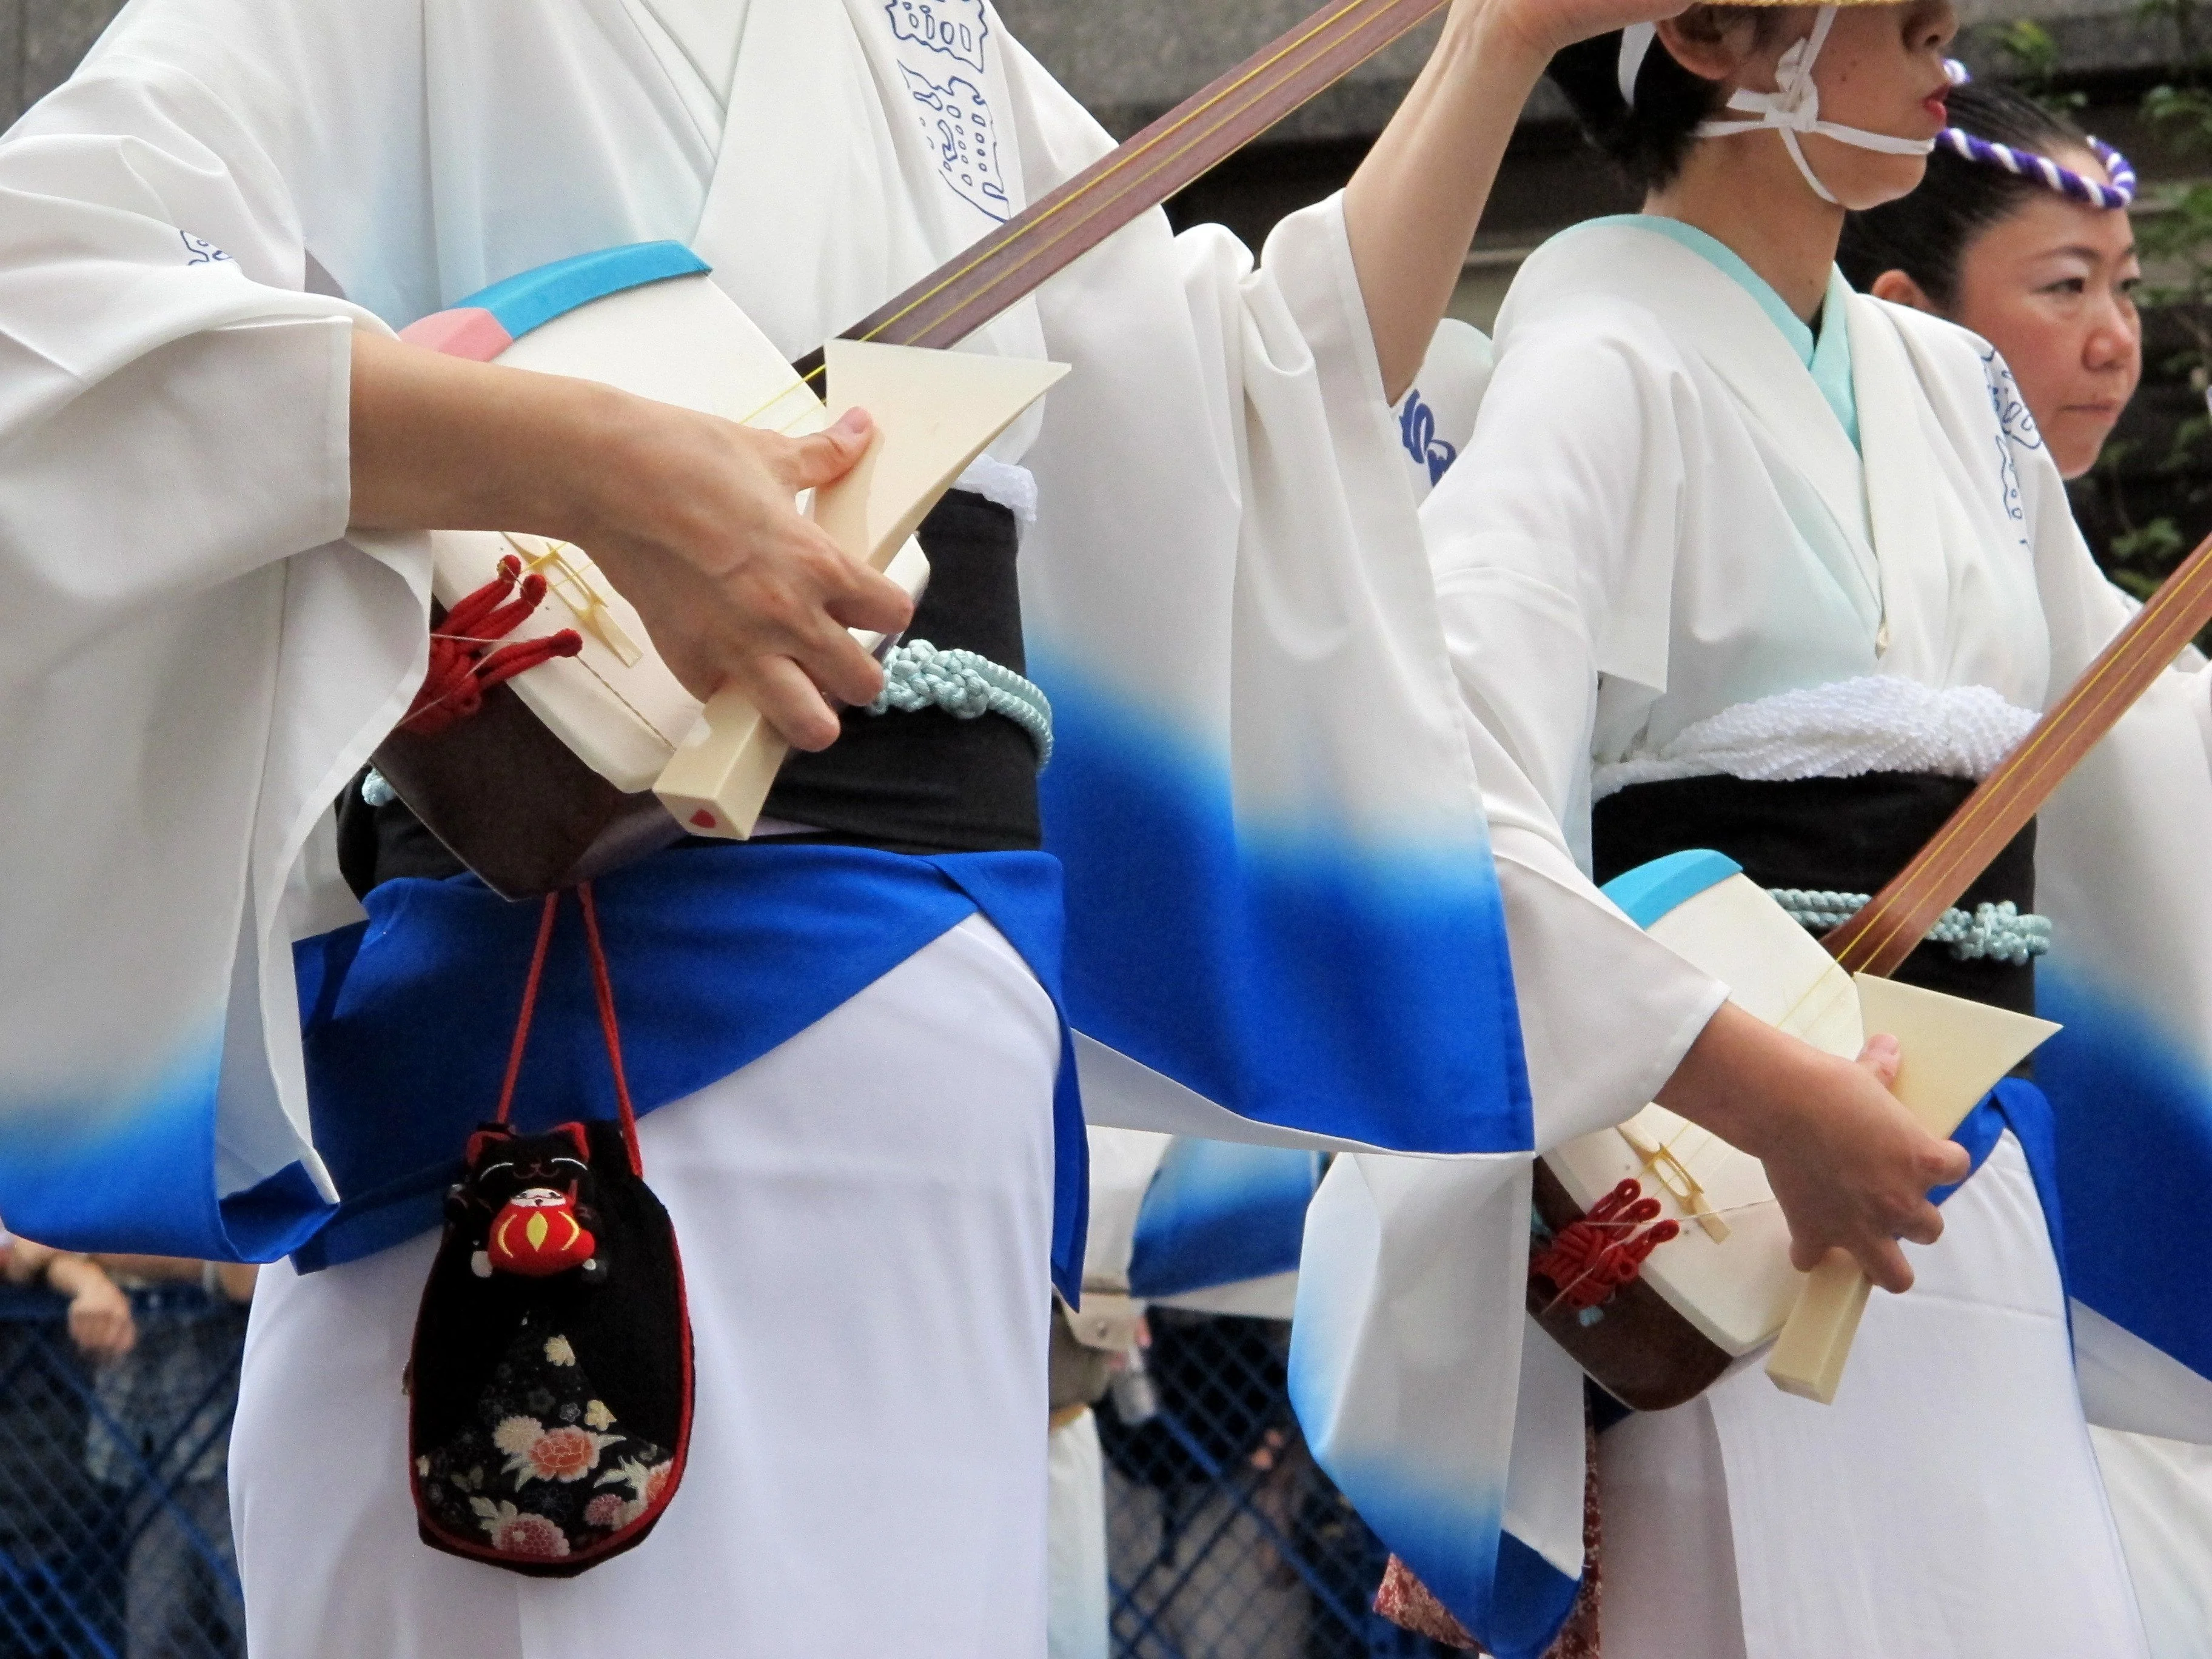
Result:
pixel 956 118
pixel 955 27
pixel 203 252
pixel 2015 426
pixel 1417 430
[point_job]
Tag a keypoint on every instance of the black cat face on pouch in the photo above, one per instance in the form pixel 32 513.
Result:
pixel 502 1163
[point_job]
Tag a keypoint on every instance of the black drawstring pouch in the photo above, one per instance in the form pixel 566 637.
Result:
pixel 550 1381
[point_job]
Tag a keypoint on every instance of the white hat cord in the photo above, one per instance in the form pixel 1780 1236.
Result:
pixel 1792 109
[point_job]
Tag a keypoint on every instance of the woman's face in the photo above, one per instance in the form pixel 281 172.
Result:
pixel 2052 288
pixel 1880 71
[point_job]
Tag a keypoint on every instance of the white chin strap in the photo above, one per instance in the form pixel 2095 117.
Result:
pixel 1792 109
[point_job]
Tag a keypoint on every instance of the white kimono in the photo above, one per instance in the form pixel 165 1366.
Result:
pixel 1660 556
pixel 1279 904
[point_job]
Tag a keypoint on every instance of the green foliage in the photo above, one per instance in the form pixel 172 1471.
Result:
pixel 2033 56
pixel 2175 234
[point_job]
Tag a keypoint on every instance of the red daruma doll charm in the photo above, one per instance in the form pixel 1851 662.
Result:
pixel 537 1234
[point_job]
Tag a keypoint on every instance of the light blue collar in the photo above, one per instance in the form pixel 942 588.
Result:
pixel 1828 357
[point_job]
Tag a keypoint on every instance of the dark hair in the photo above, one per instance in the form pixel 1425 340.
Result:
pixel 1651 141
pixel 1926 235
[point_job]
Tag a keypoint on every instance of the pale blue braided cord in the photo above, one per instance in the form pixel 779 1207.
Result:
pixel 917 675
pixel 1990 930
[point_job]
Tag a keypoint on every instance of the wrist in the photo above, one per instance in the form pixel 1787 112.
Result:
pixel 575 485
pixel 1506 38
pixel 70 1275
pixel 1746 1081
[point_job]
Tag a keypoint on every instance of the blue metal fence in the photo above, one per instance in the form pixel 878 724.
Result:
pixel 114 1521
pixel 1224 1540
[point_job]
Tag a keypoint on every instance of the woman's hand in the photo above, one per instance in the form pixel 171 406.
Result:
pixel 1547 25
pixel 100 1321
pixel 737 587
pixel 690 516
pixel 1850 1167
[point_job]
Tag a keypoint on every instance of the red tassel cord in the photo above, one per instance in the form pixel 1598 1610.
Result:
pixel 1590 1259
pixel 466 657
pixel 542 1231
pixel 603 992
pixel 603 988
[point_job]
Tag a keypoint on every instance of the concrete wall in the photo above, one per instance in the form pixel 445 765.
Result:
pixel 1129 60
pixel 41 41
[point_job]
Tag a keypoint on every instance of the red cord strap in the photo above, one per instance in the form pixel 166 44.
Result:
pixel 466 657
pixel 603 989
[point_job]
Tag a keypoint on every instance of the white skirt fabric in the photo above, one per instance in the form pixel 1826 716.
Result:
pixel 865 1216
pixel 1077 1543
pixel 2161 1494
pixel 1947 1505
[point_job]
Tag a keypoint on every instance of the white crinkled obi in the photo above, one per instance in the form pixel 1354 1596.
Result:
pixel 1014 487
pixel 1873 724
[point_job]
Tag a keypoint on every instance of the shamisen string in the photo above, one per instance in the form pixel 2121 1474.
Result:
pixel 1792 109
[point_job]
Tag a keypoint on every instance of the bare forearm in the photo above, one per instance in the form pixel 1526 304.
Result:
pixel 72 1275
pixel 440 443
pixel 152 1269
pixel 1411 209
pixel 1732 1073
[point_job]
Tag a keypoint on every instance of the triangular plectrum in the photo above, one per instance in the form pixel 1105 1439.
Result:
pixel 934 412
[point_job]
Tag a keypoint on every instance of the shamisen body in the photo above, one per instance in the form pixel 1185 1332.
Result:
pixel 857 1081
pixel 1737 559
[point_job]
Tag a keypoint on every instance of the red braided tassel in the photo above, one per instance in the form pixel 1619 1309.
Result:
pixel 1588 1260
pixel 462 662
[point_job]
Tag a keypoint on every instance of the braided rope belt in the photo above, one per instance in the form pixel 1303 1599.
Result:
pixel 917 675
pixel 1989 930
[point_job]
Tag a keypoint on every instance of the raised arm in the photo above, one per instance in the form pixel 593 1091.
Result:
pixel 1412 208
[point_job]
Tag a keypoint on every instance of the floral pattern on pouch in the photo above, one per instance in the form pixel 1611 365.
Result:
pixel 545 1471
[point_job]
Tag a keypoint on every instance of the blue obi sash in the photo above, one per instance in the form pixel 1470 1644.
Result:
pixel 717 954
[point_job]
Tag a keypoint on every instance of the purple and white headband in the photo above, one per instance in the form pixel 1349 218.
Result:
pixel 2025 164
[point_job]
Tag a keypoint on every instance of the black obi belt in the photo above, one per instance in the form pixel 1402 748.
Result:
pixel 1836 834
pixel 925 780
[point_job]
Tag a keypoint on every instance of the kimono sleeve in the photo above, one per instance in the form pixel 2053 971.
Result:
pixel 195 657
pixel 1553 542
pixel 1282 913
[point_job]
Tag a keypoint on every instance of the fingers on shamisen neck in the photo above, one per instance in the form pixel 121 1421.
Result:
pixel 791 702
pixel 1885 1264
